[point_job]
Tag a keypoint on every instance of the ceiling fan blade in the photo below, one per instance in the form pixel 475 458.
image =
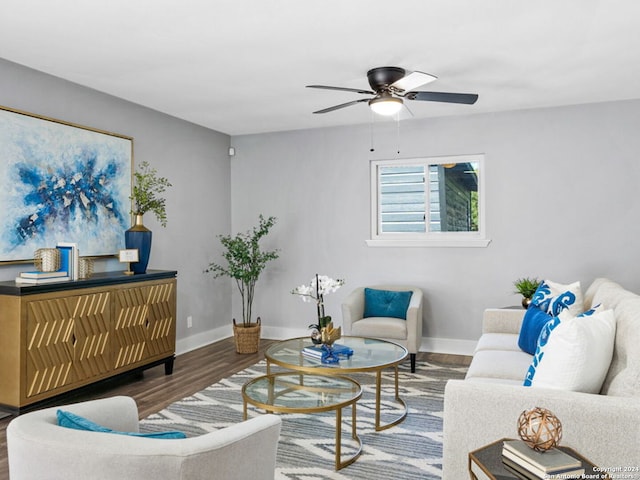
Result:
pixel 343 89
pixel 466 98
pixel 342 105
pixel 413 80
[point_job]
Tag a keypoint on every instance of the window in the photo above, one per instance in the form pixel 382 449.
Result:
pixel 428 201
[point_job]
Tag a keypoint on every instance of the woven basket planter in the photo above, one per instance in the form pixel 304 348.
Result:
pixel 247 338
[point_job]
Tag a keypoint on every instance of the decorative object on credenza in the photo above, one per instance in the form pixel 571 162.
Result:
pixel 318 287
pixel 85 267
pixel 59 179
pixel 128 256
pixel 47 259
pixel 146 197
pixel 526 287
pixel 245 261
pixel 539 429
pixel 138 238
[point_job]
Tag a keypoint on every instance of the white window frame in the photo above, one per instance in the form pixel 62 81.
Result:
pixel 427 239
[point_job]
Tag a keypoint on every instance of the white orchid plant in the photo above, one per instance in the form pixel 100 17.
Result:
pixel 319 286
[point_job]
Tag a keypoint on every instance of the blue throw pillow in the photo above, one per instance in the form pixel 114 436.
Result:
pixel 386 303
pixel 532 323
pixel 71 420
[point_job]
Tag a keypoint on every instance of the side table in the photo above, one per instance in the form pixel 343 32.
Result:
pixel 486 464
pixel 288 392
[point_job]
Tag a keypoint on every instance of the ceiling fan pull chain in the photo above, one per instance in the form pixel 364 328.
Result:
pixel 371 149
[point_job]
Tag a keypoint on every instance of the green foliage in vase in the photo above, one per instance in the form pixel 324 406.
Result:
pixel 245 261
pixel 147 188
pixel 526 286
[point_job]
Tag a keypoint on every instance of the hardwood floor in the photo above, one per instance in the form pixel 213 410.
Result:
pixel 193 371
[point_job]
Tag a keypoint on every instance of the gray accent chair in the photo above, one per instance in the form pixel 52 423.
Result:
pixel 39 448
pixel 407 333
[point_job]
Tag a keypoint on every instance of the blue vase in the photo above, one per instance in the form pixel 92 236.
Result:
pixel 139 237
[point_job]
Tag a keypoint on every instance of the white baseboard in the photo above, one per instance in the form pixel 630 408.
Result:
pixel 436 345
pixel 203 339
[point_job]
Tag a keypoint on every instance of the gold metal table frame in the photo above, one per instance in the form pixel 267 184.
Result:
pixel 288 392
pixel 370 355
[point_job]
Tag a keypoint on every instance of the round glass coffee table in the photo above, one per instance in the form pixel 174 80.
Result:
pixel 289 392
pixel 369 355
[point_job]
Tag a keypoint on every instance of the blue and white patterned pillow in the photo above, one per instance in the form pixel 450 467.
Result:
pixel 537 356
pixel 581 354
pixel 553 298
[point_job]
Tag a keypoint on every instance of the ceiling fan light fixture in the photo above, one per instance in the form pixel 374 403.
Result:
pixel 386 105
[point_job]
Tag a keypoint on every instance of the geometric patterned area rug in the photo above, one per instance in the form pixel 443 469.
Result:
pixel 411 450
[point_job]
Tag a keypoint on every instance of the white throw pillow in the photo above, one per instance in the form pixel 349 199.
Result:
pixel 577 352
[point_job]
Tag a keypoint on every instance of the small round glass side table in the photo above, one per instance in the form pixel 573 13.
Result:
pixel 289 392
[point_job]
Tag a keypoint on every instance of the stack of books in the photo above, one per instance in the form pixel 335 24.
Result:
pixel 524 462
pixel 317 352
pixel 37 278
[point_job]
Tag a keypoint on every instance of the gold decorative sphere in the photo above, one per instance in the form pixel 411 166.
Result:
pixel 540 429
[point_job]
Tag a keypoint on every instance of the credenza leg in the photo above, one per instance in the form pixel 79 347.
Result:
pixel 168 365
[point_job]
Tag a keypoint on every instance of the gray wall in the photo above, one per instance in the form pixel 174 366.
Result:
pixel 193 158
pixel 562 203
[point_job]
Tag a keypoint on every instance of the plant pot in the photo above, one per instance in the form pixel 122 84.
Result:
pixel 139 237
pixel 247 338
pixel 526 302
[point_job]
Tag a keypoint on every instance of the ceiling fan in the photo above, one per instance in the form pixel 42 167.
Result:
pixel 390 85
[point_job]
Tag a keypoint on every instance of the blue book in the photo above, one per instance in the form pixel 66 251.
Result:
pixel 318 352
pixel 65 259
pixel 74 258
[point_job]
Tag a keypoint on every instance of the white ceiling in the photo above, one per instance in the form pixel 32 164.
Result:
pixel 241 66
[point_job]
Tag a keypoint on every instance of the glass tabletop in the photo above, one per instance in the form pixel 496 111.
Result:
pixel 368 354
pixel 295 391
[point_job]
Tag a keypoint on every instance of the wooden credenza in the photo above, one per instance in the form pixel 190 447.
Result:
pixel 61 336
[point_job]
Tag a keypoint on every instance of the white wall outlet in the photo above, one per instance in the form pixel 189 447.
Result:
pixel 189 321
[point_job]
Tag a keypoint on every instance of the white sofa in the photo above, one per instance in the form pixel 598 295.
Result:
pixel 39 449
pixel 605 427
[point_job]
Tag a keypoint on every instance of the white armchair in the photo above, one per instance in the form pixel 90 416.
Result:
pixel 404 332
pixel 39 448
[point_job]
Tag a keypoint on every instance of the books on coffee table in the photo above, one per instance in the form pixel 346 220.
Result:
pixel 316 351
pixel 520 457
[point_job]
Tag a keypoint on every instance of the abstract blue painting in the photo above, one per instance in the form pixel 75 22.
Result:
pixel 61 183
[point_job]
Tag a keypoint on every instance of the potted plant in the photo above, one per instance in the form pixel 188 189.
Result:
pixel 319 286
pixel 146 190
pixel 245 261
pixel 526 287
pixel 146 197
